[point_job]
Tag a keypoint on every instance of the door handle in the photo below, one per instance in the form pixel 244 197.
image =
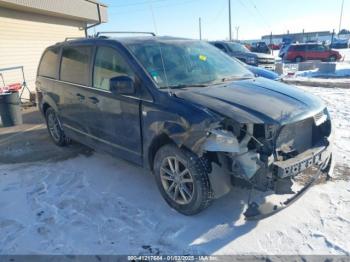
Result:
pixel 81 97
pixel 94 100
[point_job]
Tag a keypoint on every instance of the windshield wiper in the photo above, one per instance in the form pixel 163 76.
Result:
pixel 184 86
pixel 228 79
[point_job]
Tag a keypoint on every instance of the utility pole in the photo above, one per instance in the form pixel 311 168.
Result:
pixel 200 28
pixel 237 29
pixel 341 15
pixel 271 38
pixel 303 36
pixel 229 19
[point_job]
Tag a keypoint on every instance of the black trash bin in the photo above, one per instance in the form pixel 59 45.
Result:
pixel 10 109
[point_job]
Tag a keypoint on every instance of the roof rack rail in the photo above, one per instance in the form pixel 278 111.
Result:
pixel 73 38
pixel 99 34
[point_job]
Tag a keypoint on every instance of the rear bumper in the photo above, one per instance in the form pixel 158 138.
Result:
pixel 271 67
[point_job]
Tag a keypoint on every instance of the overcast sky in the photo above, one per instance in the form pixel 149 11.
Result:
pixel 254 17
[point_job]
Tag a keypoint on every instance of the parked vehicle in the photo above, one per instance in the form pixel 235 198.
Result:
pixel 339 43
pixel 260 47
pixel 242 53
pixel 312 51
pixel 274 47
pixel 188 112
pixel 283 50
pixel 286 42
pixel 262 72
pixel 259 71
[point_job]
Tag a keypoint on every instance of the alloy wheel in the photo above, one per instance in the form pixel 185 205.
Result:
pixel 177 180
pixel 54 126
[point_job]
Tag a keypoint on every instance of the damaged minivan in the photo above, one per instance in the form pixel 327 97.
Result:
pixel 199 120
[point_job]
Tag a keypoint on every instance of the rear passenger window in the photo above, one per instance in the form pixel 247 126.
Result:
pixel 320 48
pixel 109 64
pixel 75 64
pixel 299 48
pixel 312 48
pixel 48 65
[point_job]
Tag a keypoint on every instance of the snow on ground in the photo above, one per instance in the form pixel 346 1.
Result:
pixel 102 205
pixel 345 53
pixel 338 103
pixel 342 71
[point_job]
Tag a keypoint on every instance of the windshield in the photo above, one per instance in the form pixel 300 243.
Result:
pixel 234 47
pixel 180 63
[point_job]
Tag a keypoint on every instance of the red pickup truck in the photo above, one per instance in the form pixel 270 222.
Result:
pixel 302 52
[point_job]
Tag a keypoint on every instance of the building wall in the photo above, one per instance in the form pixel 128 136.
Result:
pixel 24 36
pixel 299 37
pixel 84 10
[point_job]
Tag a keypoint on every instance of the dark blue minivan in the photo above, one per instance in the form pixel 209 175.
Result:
pixel 199 120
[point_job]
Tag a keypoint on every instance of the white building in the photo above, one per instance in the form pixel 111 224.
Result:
pixel 27 27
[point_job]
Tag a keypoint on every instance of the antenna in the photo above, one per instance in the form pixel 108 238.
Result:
pixel 160 49
pixel 229 19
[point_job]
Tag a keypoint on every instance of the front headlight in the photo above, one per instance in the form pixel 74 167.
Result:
pixel 251 61
pixel 220 140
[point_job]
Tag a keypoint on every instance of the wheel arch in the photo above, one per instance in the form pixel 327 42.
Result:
pixel 45 107
pixel 157 142
pixel 47 103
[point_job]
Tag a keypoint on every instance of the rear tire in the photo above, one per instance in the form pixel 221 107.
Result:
pixel 182 179
pixel 54 127
pixel 299 59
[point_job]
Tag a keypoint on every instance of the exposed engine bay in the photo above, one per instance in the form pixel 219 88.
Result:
pixel 268 158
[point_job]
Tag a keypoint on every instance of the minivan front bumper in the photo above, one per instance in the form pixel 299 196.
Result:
pixel 315 156
pixel 272 206
pixel 294 169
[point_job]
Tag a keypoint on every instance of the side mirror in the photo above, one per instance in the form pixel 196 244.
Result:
pixel 122 85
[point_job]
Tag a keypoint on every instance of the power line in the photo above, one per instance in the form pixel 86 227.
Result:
pixel 156 7
pixel 221 10
pixel 137 3
pixel 263 19
pixel 260 13
pixel 211 23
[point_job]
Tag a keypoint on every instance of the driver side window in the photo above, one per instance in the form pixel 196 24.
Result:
pixel 108 64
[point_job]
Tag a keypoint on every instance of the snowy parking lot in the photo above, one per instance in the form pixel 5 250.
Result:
pixel 96 204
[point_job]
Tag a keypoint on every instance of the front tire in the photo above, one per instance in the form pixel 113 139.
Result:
pixel 54 128
pixel 332 58
pixel 182 179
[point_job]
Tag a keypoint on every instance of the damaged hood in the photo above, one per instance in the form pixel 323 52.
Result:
pixel 255 100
